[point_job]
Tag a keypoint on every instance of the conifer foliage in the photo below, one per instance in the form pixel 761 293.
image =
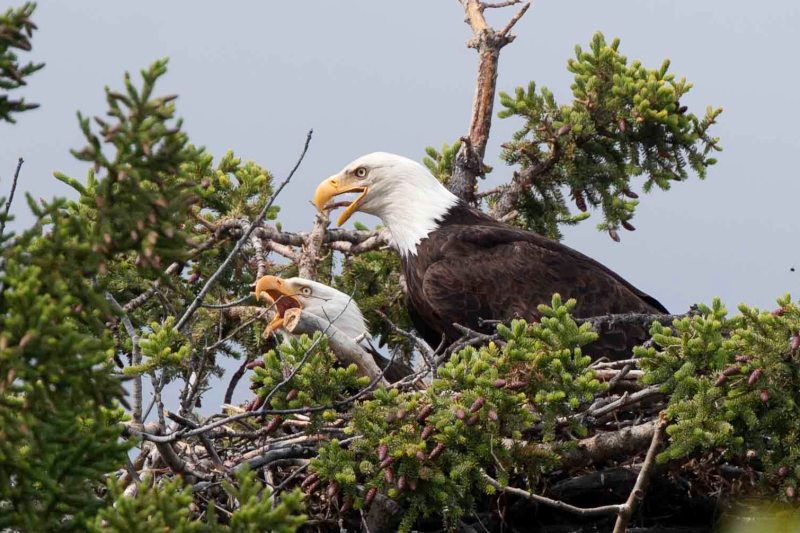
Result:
pixel 625 121
pixel 16 29
pixel 733 385
pixel 167 507
pixel 427 449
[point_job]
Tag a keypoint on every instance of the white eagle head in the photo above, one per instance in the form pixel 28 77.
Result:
pixel 401 192
pixel 312 297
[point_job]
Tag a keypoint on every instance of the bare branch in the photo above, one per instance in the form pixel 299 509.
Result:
pixel 286 251
pixel 483 194
pixel 374 242
pixel 261 257
pixel 298 239
pixel 10 199
pixel 136 358
pixel 291 451
pixel 235 380
pixel 505 31
pixel 608 445
pixel 629 319
pixel 427 353
pixel 310 256
pixel 240 243
pixel 212 452
pixel 556 504
pixel 229 305
pixel 624 401
pixel 469 160
pixel 521 181
pixel 637 494
pixel 170 456
pixel 497 5
pixel 613 376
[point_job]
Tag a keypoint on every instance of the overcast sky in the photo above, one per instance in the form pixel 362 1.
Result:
pixel 396 76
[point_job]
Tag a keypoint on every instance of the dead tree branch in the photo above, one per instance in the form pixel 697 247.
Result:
pixel 521 181
pixel 170 456
pixel 608 445
pixel 556 504
pixel 427 353
pixel 488 43
pixel 241 242
pixel 193 380
pixel 637 494
pixel 136 357
pixel 624 401
pixel 261 257
pixel 628 319
pixel 310 256
pixel 10 199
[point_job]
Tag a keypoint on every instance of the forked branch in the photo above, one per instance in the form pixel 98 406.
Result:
pixel 488 42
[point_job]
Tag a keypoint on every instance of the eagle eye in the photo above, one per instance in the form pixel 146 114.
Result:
pixel 305 291
pixel 361 172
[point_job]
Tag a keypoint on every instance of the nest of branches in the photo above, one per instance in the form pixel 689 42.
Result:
pixel 606 474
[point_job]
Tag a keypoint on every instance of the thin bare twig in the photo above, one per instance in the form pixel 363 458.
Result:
pixel 136 358
pixel 518 15
pixel 10 199
pixel 212 452
pixel 194 378
pixel 556 504
pixel 234 303
pixel 469 338
pixel 637 494
pixel 498 5
pixel 424 348
pixel 235 380
pixel 621 374
pixel 282 249
pixel 625 400
pixel 241 242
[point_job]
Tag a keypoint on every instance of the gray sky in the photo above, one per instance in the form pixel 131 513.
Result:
pixel 396 76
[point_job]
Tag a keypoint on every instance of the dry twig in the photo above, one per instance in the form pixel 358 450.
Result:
pixel 488 43
pixel 637 494
pixel 10 199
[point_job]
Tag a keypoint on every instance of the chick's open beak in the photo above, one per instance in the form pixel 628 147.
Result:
pixel 334 186
pixel 275 291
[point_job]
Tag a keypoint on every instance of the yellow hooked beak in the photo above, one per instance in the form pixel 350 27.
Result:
pixel 277 292
pixel 334 186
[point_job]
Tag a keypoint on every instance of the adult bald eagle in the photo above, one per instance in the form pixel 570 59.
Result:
pixel 328 304
pixel 461 265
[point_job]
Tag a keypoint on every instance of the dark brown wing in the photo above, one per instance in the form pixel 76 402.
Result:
pixel 463 272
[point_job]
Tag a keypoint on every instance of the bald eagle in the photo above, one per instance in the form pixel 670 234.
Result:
pixel 330 305
pixel 461 265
